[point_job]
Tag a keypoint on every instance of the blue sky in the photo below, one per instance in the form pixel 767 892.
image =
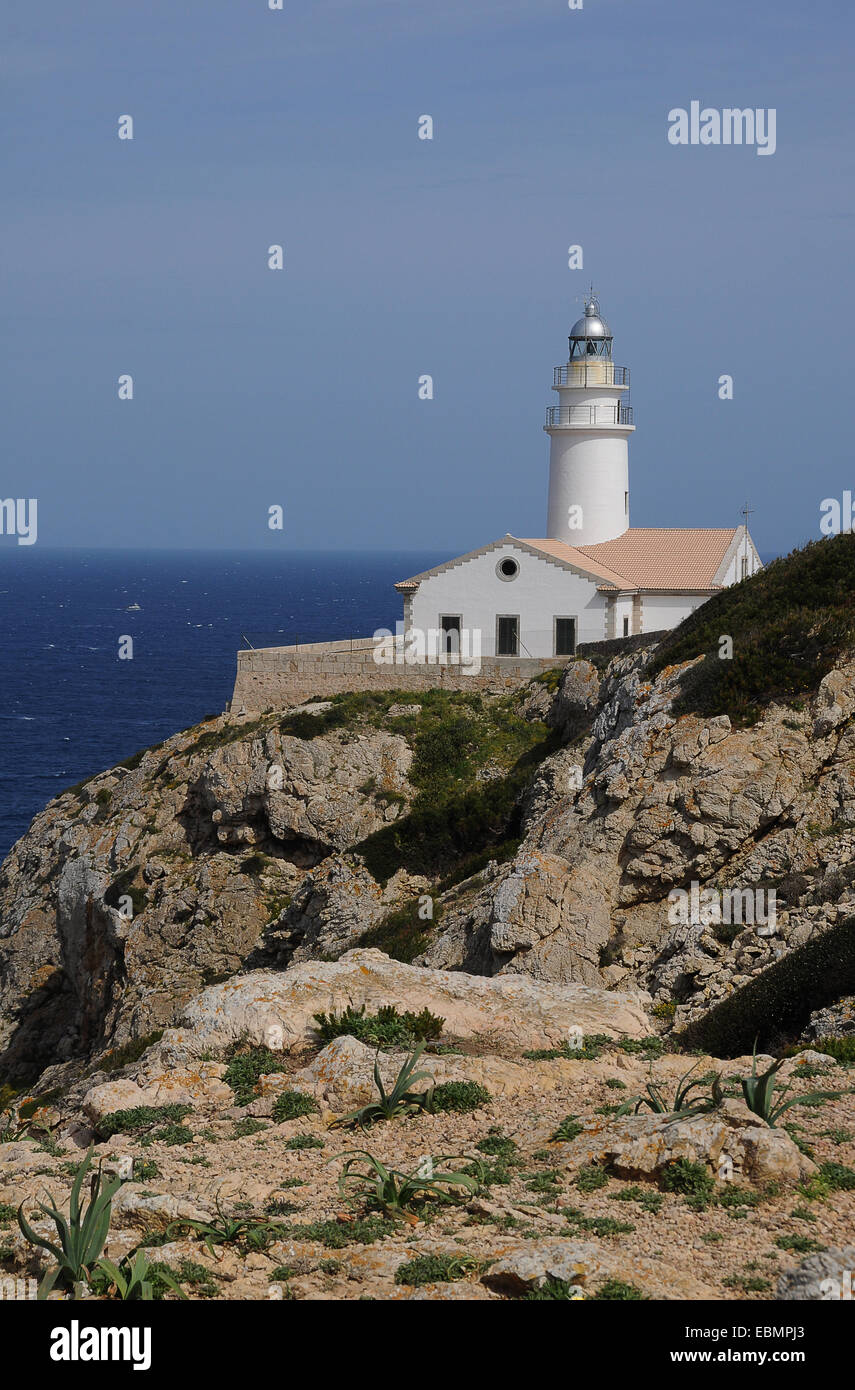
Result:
pixel 405 257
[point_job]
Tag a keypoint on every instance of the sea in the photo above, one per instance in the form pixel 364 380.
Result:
pixel 71 707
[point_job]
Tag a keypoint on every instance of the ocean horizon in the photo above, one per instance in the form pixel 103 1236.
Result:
pixel 72 708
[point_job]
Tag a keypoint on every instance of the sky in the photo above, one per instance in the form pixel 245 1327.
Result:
pixel 404 257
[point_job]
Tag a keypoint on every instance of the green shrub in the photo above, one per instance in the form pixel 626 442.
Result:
pixel 303 1141
pixel 140 1119
pixel 164 1276
pixel 454 817
pixel 386 1028
pixel 458 1097
pixel 126 885
pixel 290 1105
pixel 568 1129
pixel 145 1170
pixel 553 1290
pixel 435 1269
pixel 336 1235
pixel 615 1290
pixel 647 1199
pixel 401 934
pixel 592 1177
pixel 246 1065
pixel 592 1046
pixel 837 1176
pixel 497 1144
pixel 800 1245
pixel 789 624
pixel 170 1134
pixel 248 1126
pixel 254 865
pixel 692 1181
pixel 843 1049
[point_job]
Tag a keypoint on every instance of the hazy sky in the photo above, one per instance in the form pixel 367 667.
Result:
pixel 404 257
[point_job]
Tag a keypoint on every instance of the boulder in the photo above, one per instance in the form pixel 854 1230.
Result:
pixel 524 1265
pixel 828 1276
pixel 134 1205
pixel 642 1146
pixel 181 1086
pixel 342 1074
pixel 278 1009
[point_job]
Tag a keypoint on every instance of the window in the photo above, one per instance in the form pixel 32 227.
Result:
pixel 507 568
pixel 626 504
pixel 744 574
pixel 565 636
pixel 507 635
pixel 450 626
pixel 626 627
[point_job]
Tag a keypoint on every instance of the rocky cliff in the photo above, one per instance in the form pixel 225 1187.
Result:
pixel 536 833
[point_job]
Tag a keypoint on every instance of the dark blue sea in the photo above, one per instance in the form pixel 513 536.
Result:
pixel 71 708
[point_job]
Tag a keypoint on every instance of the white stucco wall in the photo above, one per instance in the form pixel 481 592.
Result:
pixel 667 610
pixel 540 592
pixel 590 470
pixel 621 608
pixel 746 549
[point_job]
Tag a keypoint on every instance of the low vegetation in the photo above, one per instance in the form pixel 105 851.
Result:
pixel 790 623
pixel 385 1028
pixel 366 1178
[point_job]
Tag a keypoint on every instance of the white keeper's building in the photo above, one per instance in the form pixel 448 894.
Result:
pixel 592 576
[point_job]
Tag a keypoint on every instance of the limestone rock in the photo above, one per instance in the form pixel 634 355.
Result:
pixel 342 1074
pixel 523 1265
pixel 641 1146
pixel 828 1276
pixel 514 1010
pixel 19 1156
pixel 135 1205
pixel 181 1086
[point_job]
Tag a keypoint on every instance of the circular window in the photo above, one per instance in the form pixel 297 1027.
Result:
pixel 507 568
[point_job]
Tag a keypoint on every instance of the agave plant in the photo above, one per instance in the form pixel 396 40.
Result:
pixel 131 1278
pixel 11 1127
pixel 759 1092
pixel 81 1234
pixel 397 1102
pixel 222 1229
pixel 365 1177
pixel 661 1104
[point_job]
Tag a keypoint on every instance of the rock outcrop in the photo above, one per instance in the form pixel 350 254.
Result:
pixel 510 1011
pixel 239 845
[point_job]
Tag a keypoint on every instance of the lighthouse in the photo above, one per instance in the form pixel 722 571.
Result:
pixel 589 433
pixel 592 577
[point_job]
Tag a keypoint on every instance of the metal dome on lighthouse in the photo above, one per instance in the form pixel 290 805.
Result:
pixel 589 431
pixel 590 336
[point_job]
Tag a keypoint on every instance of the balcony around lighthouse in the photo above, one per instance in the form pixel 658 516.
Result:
pixel 592 371
pixel 588 416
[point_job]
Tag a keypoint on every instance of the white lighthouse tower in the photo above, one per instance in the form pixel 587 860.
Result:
pixel 589 432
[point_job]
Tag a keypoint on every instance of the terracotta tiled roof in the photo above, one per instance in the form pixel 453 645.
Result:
pixel 644 557
pixel 564 554
pixel 654 557
pixel 581 559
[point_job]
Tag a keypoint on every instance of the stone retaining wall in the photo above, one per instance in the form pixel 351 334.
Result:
pixel 275 677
